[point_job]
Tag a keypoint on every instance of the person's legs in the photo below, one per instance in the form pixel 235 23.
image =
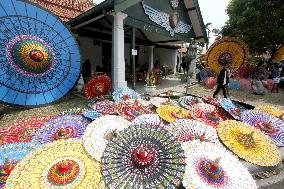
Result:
pixel 224 89
pixel 217 90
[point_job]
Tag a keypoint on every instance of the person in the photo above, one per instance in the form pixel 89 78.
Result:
pixel 86 70
pixel 183 64
pixel 177 66
pixel 257 86
pixel 223 80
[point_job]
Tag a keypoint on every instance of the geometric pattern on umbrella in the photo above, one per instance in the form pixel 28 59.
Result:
pixel 266 123
pixel 212 101
pixel 271 110
pixel 143 157
pixel 227 49
pixel 10 155
pixel 124 93
pixel 185 130
pixel 57 165
pixel 22 130
pixel 249 143
pixel 159 101
pixel 209 166
pixel 199 108
pixel 63 127
pixel 39 58
pixel 148 120
pixel 187 101
pixel 99 133
pixel 104 107
pixel 130 110
pixel 232 108
pixel 97 86
pixel 171 113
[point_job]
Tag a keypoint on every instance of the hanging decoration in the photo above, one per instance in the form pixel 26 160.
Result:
pixel 99 85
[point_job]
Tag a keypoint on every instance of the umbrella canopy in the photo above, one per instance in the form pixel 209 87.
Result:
pixel 60 164
pixel 97 86
pixel 271 110
pixel 171 113
pixel 98 99
pixel 22 130
pixel 268 124
pixel 214 168
pixel 185 130
pixel 104 107
pixel 93 114
pixel 232 108
pixel 199 108
pixel 171 94
pixel 148 120
pixel 124 93
pixel 249 143
pixel 212 101
pixel 188 101
pixel 158 101
pixel 143 157
pixel 100 131
pixel 63 127
pixel 40 59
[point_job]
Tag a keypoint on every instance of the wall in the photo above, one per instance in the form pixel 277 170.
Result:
pixel 165 57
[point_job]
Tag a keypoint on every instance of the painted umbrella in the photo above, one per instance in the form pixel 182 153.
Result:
pixel 268 124
pixel 40 59
pixel 60 164
pixel 143 157
pixel 209 166
pixel 171 113
pixel 104 107
pixel 97 86
pixel 188 101
pixel 159 101
pixel 148 120
pixel 249 143
pixel 232 108
pixel 271 110
pixel 63 127
pixel 124 93
pixel 92 114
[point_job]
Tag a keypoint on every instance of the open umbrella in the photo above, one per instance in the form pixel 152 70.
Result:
pixel 97 86
pixel 249 143
pixel 104 107
pixel 268 124
pixel 232 108
pixel 200 108
pixel 209 166
pixel 60 164
pixel 188 101
pixel 271 110
pixel 22 130
pixel 171 113
pixel 40 59
pixel 99 133
pixel 63 127
pixel 92 114
pixel 124 93
pixel 143 157
pixel 148 120
pixel 212 101
pixel 159 101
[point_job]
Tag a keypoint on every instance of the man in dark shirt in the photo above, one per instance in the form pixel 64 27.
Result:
pixel 223 80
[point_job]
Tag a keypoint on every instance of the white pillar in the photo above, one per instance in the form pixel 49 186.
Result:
pixel 176 54
pixel 118 61
pixel 151 57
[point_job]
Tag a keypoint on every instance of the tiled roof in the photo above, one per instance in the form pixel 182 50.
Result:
pixel 66 9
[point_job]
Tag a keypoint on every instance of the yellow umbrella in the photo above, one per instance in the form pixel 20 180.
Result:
pixel 249 143
pixel 271 110
pixel 170 113
pixel 62 164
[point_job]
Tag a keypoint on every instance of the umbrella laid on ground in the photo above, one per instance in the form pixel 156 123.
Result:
pixel 171 113
pixel 271 110
pixel 148 120
pixel 124 93
pixel 188 101
pixel 159 101
pixel 104 107
pixel 232 108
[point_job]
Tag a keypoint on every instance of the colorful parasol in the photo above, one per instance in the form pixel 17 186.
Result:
pixel 234 84
pixel 73 111
pixel 143 157
pixel 267 123
pixel 98 99
pixel 104 107
pixel 22 130
pixel 214 168
pixel 199 108
pixel 122 94
pixel 40 59
pixel 60 164
pixel 170 93
pixel 171 113
pixel 213 118
pixel 188 101
pixel 212 101
pixel 93 114
pixel 141 101
pixel 271 110
pixel 185 130
pixel 100 131
pixel 97 86
pixel 148 120
pixel 10 155
pixel 232 108
pixel 63 127
pixel 249 143
pixel 130 110
pixel 159 101
pixel 227 49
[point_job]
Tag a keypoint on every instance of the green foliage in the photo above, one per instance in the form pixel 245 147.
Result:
pixel 260 23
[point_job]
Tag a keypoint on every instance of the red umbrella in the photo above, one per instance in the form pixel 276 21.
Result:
pixel 97 86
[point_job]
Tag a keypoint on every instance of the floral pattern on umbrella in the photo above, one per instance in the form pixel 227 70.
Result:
pixel 105 107
pixel 124 93
pixel 97 86
pixel 148 120
pixel 188 101
pixel 171 113
pixel 232 108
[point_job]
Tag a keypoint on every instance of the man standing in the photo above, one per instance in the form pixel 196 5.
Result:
pixel 223 80
pixel 86 70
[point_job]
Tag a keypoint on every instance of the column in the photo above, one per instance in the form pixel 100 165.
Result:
pixel 151 57
pixel 118 61
pixel 176 54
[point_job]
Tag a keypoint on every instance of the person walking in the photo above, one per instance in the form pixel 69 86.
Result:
pixel 223 80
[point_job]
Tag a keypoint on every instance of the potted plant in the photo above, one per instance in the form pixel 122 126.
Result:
pixel 151 81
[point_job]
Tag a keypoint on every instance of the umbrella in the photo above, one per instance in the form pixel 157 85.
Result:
pixel 187 130
pixel 99 132
pixel 40 59
pixel 73 111
pixel 171 113
pixel 234 85
pixel 212 101
pixel 22 130
pixel 124 93
pixel 170 94
pixel 141 101
pixel 148 120
pixel 214 168
pixel 158 101
pixel 143 157
pixel 249 143
pixel 93 114
pixel 104 107
pixel 97 86
pixel 267 123
pixel 10 155
pixel 213 118
pixel 98 99
pixel 63 127
pixel 199 108
pixel 131 110
pixel 271 110
pixel 232 108
pixel 188 101
pixel 60 164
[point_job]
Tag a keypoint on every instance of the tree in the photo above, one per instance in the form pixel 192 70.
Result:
pixel 260 23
